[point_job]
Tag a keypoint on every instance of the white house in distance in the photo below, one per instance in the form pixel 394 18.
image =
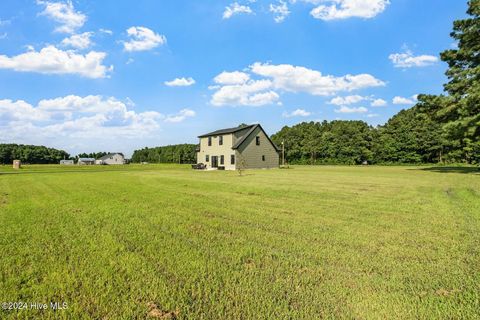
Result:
pixel 67 162
pixel 86 161
pixel 246 147
pixel 111 159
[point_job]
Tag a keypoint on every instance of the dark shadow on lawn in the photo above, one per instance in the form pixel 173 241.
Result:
pixel 465 170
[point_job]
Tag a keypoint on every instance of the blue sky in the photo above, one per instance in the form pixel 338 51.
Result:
pixel 113 75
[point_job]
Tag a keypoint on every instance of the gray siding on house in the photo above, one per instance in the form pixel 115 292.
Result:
pixel 252 154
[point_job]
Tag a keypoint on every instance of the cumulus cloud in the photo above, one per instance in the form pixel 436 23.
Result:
pixel 300 79
pixel 180 82
pixel 94 122
pixel 238 88
pixel 79 41
pixel 404 101
pixel 180 116
pixel 378 103
pixel 254 93
pixel 296 113
pixel 280 11
pixel 342 101
pixel 234 9
pixel 142 39
pixel 343 9
pixel 235 77
pixel 64 14
pixel 408 60
pixel 345 109
pixel 51 60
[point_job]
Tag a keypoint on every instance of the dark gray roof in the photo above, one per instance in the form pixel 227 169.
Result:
pixel 225 131
pixel 246 135
pixel 242 139
pixel 105 157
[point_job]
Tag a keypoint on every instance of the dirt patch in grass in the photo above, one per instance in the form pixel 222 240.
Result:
pixel 156 312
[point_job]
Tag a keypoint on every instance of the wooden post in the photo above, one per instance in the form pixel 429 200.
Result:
pixel 283 153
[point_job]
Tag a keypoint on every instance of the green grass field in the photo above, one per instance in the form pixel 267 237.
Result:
pixel 302 243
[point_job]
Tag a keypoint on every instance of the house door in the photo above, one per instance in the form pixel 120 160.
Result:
pixel 214 162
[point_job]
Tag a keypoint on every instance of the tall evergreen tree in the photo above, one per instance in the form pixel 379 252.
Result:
pixel 459 111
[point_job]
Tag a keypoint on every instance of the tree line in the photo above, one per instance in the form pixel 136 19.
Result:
pixel 439 128
pixel 31 154
pixel 180 153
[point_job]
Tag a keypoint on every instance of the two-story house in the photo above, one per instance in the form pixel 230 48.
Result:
pixel 247 147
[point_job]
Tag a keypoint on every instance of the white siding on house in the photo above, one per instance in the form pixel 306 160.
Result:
pixel 113 159
pixel 216 150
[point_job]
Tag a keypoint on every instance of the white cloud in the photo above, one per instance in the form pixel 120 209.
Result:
pixel 344 109
pixel 106 31
pixel 404 101
pixel 300 79
pixel 343 9
pixel 234 9
pixel 63 13
pixel 378 103
pixel 91 122
pixel 180 82
pixel 3 36
pixel 408 60
pixel 372 115
pixel 342 101
pixel 79 41
pixel 4 22
pixel 280 11
pixel 237 88
pixel 235 77
pixel 142 39
pixel 180 116
pixel 297 113
pixel 20 111
pixel 51 60
pixel 252 93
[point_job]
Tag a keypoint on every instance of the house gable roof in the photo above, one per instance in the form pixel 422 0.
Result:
pixel 105 157
pixel 225 131
pixel 250 132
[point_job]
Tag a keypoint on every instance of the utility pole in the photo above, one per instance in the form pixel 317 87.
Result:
pixel 283 153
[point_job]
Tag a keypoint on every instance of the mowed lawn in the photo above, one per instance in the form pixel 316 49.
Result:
pixel 300 243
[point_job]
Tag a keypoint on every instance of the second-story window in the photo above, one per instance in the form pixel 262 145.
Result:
pixel 220 140
pixel 209 141
pixel 257 141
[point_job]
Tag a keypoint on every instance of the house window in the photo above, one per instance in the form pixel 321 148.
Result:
pixel 222 159
pixel 232 159
pixel 207 158
pixel 257 141
pixel 209 141
pixel 263 158
pixel 220 140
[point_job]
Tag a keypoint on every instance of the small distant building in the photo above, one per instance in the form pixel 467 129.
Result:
pixel 111 159
pixel 67 162
pixel 17 164
pixel 86 161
